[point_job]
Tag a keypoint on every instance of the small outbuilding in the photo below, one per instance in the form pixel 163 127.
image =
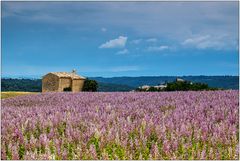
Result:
pixel 62 81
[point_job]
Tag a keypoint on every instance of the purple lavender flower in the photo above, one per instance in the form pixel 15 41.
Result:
pixel 172 125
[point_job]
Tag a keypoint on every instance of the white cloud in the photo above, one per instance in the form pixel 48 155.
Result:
pixel 207 41
pixel 152 40
pixel 120 42
pixel 122 52
pixel 137 41
pixel 157 48
pixel 195 40
pixel 103 29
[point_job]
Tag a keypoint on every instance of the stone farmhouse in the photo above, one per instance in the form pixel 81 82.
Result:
pixel 62 81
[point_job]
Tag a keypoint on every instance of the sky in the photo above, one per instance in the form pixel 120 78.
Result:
pixel 112 39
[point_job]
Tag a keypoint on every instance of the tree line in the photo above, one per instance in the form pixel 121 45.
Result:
pixel 180 86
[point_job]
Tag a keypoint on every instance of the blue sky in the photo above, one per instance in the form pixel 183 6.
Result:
pixel 120 38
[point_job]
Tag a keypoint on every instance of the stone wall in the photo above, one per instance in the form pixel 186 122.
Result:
pixel 77 85
pixel 64 83
pixel 50 83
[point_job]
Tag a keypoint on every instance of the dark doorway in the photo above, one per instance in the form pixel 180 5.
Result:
pixel 67 89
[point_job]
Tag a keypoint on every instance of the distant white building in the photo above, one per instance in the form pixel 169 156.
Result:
pixel 160 86
pixel 180 80
pixel 146 87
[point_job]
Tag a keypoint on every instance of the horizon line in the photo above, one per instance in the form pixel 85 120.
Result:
pixel 39 77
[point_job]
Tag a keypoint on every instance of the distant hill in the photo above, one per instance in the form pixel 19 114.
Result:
pixel 124 83
pixel 109 87
pixel 26 85
pixel 226 82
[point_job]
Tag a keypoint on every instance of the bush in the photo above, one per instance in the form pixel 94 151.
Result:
pixel 187 86
pixel 90 85
pixel 152 89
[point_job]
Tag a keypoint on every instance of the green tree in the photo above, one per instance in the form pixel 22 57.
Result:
pixel 152 89
pixel 186 86
pixel 90 85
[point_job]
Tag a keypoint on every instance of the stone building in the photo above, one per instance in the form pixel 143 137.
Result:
pixel 62 81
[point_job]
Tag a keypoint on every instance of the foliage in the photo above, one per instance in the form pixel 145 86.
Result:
pixel 152 89
pixel 180 86
pixel 90 85
pixel 25 85
pixel 87 125
pixel 187 86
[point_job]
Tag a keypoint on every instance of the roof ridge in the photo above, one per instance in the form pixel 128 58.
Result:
pixel 68 74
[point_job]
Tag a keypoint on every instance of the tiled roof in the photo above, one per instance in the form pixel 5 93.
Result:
pixel 67 75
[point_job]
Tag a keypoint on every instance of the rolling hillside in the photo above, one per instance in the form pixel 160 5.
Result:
pixel 226 82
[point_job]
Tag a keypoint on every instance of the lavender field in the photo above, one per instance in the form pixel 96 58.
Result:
pixel 163 125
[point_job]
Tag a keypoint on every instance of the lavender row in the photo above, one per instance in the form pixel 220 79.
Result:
pixel 165 125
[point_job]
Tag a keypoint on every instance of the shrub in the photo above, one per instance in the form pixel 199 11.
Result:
pixel 90 85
